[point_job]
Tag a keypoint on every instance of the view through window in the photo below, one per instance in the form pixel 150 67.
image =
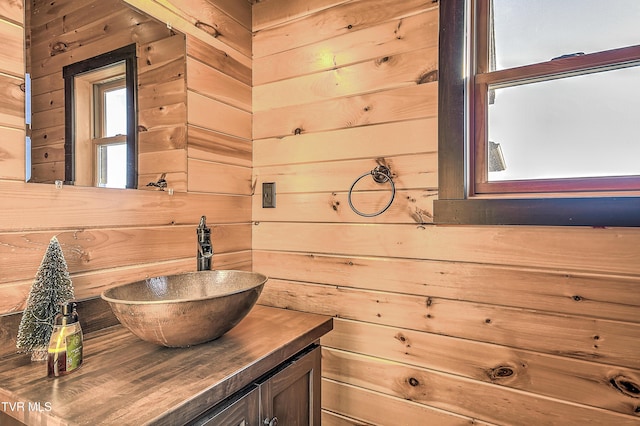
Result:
pixel 537 113
pixel 557 91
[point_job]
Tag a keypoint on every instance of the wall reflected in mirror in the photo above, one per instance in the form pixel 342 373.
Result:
pixel 60 35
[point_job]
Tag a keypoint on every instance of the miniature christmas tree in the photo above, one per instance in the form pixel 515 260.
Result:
pixel 51 286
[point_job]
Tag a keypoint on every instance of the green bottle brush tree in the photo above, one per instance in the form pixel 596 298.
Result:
pixel 51 287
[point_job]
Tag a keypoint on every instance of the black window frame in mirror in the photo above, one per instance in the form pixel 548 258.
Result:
pixel 126 54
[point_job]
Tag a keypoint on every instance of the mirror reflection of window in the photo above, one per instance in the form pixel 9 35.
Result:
pixel 101 127
pixel 100 120
pixel 110 130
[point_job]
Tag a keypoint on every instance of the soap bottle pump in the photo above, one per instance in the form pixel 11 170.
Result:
pixel 65 346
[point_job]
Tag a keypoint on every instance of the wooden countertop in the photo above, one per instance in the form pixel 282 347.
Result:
pixel 127 381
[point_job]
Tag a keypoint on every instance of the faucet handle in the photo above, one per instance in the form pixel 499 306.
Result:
pixel 203 231
pixel 203 222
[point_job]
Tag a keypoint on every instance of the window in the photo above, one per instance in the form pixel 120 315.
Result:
pixel 100 120
pixel 109 132
pixel 537 117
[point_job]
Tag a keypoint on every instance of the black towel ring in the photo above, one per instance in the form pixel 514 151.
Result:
pixel 380 174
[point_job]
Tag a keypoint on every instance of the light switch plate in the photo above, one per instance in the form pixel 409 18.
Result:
pixel 268 195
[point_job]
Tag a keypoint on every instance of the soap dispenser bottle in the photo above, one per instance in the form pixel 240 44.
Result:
pixel 65 346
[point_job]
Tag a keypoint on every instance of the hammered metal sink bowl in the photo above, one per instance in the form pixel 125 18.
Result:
pixel 185 309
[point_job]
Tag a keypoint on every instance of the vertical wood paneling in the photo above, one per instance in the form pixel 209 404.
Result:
pixel 455 325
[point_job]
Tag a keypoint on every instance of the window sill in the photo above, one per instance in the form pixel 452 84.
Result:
pixel 598 212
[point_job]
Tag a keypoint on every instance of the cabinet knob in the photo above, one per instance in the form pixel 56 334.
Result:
pixel 272 422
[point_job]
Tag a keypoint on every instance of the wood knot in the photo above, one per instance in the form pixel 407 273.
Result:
pixel 501 372
pixel 209 29
pixel 142 128
pixel 626 385
pixel 381 61
pixel 428 77
pixel 401 337
pixel 577 298
pixel 413 382
pixel 58 47
pixel 297 131
pixel 349 27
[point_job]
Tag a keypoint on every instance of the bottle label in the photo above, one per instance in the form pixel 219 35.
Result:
pixel 74 350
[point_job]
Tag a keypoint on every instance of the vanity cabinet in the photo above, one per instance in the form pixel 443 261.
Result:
pixel 287 395
pixel 241 410
pixel 266 367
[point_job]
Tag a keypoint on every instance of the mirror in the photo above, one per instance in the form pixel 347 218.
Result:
pixel 67 136
pixel 101 91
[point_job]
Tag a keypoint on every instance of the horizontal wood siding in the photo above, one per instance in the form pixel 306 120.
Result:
pixel 219 122
pixel 434 324
pixel 446 325
pixel 76 30
pixel 111 237
pixel 12 127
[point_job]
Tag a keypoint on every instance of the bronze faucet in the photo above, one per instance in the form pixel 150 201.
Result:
pixel 205 248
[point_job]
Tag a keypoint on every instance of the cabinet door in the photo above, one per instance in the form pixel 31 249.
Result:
pixel 241 412
pixel 291 397
pixel 7 420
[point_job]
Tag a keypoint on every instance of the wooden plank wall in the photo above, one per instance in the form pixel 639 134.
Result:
pixel 110 237
pixel 219 148
pixel 71 31
pixel 12 127
pixel 444 325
